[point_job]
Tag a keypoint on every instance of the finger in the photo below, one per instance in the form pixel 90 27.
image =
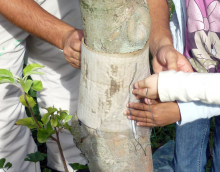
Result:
pixel 80 34
pixel 73 62
pixel 138 106
pixel 75 45
pixel 69 52
pixel 141 84
pixel 157 67
pixel 77 67
pixel 172 63
pixel 138 114
pixel 140 93
pixel 184 65
pixel 149 101
pixel 167 57
pixel 71 55
pixel 145 120
pixel 144 124
pixel 152 102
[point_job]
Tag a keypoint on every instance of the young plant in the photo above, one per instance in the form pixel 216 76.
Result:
pixel 52 122
pixel 35 157
pixel 3 165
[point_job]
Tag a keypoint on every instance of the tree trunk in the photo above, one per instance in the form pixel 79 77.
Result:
pixel 114 55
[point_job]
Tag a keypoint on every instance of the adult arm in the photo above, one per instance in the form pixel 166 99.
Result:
pixel 165 57
pixel 29 16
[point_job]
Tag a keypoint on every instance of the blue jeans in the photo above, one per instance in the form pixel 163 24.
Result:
pixel 192 148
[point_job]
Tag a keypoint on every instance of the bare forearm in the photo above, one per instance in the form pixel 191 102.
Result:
pixel 29 16
pixel 160 32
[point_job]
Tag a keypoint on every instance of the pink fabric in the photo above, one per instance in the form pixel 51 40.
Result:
pixel 203 15
pixel 203 35
pixel 202 4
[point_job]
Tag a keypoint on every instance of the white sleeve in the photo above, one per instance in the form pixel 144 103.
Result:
pixel 186 87
pixel 191 111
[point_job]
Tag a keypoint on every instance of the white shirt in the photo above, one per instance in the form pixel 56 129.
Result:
pixel 202 89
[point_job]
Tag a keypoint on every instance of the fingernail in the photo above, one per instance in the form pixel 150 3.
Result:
pixel 138 124
pixel 125 112
pixel 127 105
pixel 129 117
pixel 136 85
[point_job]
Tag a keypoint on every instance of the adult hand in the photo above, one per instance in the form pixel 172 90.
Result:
pixel 72 47
pixel 163 113
pixel 168 58
pixel 147 88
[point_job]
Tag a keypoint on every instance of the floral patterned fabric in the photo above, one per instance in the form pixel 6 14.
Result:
pixel 203 33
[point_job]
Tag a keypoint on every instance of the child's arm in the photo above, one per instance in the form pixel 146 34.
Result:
pixel 189 87
pixel 181 86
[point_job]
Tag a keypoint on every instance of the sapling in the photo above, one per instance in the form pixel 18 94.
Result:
pixel 52 122
pixel 3 165
pixel 35 157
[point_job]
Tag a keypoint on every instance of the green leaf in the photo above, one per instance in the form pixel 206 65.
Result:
pixel 29 99
pixel 68 118
pixel 28 122
pixel 43 135
pixel 65 111
pixel 63 115
pixel 2 162
pixel 49 128
pixel 54 121
pixel 35 157
pixel 32 93
pixel 6 76
pixel 6 80
pixel 77 166
pixel 6 73
pixel 67 127
pixel 59 120
pixel 172 8
pixel 26 85
pixel 31 69
pixel 47 170
pixel 37 85
pixel 51 110
pixel 8 165
pixel 32 73
pixel 45 118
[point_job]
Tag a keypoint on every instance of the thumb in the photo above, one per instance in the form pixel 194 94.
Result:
pixel 79 34
pixel 172 63
pixel 141 84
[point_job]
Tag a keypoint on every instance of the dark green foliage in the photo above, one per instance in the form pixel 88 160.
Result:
pixel 35 157
pixel 3 165
pixel 77 166
pixel 171 7
pixel 211 141
pixel 163 135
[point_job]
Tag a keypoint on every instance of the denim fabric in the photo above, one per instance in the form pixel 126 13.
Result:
pixel 192 148
pixel 216 146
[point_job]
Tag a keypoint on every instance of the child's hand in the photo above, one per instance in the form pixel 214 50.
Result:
pixel 147 88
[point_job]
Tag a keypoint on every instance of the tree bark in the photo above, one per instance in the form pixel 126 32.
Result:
pixel 114 56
